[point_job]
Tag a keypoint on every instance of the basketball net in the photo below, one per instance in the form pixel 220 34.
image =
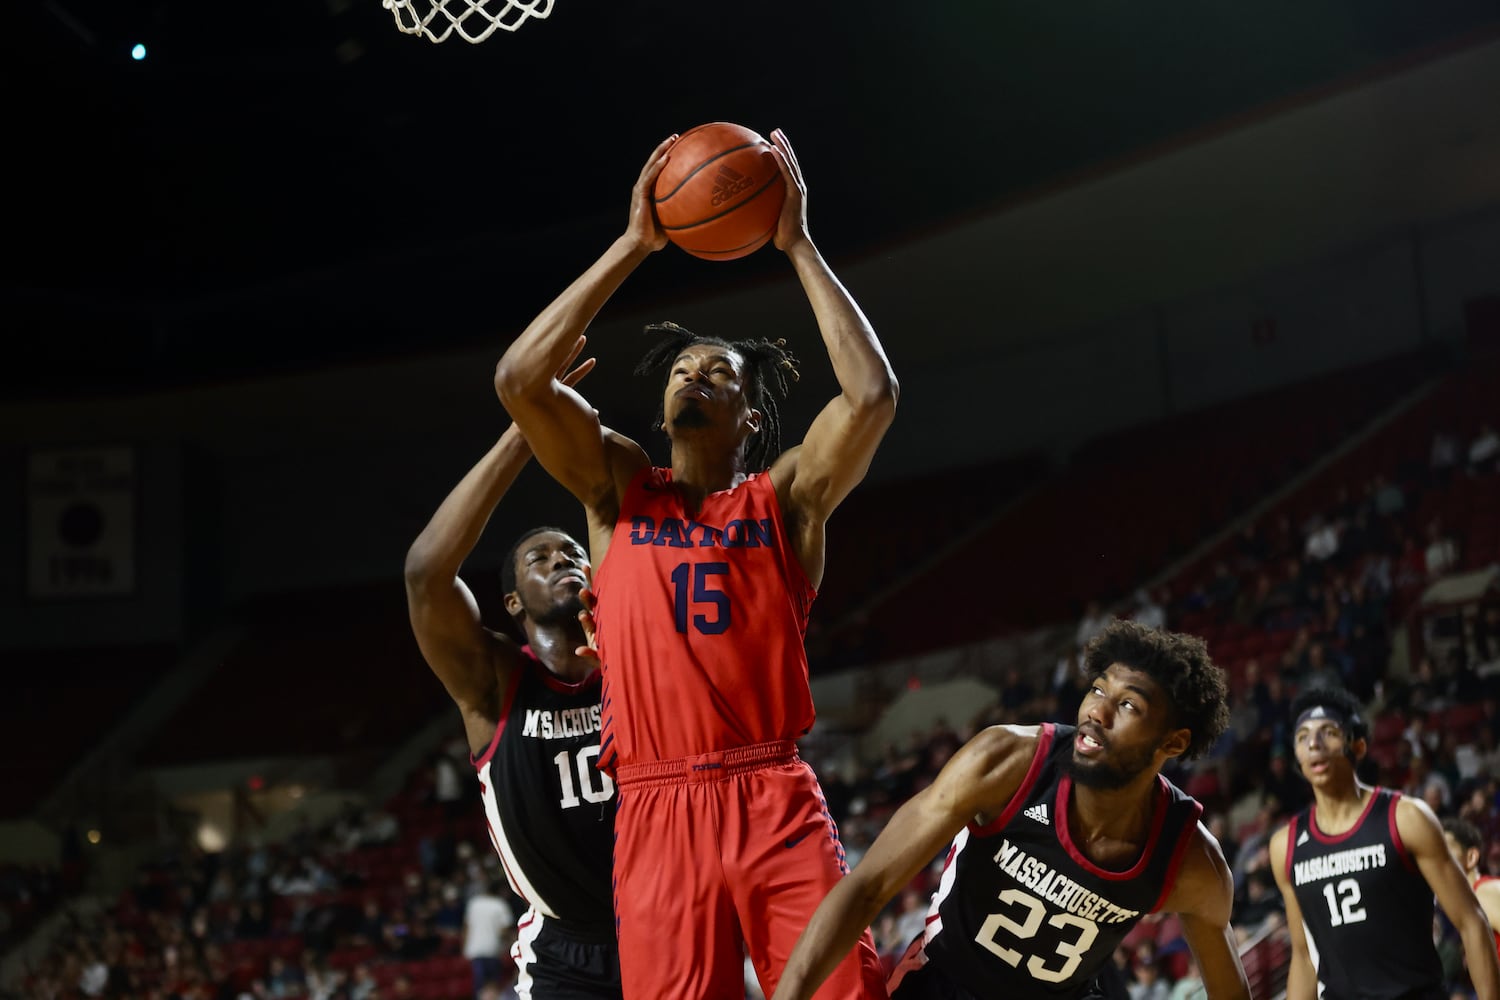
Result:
pixel 471 20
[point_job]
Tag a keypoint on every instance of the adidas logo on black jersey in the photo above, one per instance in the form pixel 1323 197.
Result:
pixel 1038 812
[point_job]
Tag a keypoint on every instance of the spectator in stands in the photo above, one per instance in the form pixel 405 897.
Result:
pixel 1094 621
pixel 94 976
pixel 448 919
pixel 1443 457
pixel 1253 604
pixel 283 980
pixel 363 985
pixel 1484 450
pixel 253 924
pixel 1386 496
pixel 1016 693
pixel 1425 782
pixel 486 919
pixel 1146 982
pixel 1222 588
pixel 1283 540
pixel 1357 539
pixel 1419 737
pixel 1487 636
pixel 1218 825
pixel 1275 708
pixel 1410 569
pixel 1283 784
pixel 1150 611
pixel 1068 684
pixel 912 917
pixel 1322 540
pixel 323 983
pixel 1190 986
pixel 1441 555
pixel 447 783
pixel 1251 548
pixel 1259 902
pixel 1316 671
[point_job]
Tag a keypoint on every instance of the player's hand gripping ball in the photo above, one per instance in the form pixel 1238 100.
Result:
pixel 719 196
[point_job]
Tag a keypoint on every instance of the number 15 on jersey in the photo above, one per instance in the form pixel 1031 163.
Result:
pixel 698 598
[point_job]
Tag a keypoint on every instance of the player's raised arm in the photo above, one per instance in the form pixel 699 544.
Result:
pixel 562 428
pixel 842 440
pixel 474 664
pixel 1423 838
pixel 1203 899
pixel 981 777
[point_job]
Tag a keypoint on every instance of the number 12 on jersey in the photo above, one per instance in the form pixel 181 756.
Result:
pixel 695 585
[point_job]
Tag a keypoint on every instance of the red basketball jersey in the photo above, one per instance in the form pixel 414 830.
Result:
pixel 701 619
pixel 1481 880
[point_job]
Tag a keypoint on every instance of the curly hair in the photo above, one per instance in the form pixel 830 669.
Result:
pixel 1180 665
pixel 769 371
pixel 1347 705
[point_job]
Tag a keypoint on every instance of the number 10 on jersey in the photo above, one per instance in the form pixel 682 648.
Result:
pixel 694 586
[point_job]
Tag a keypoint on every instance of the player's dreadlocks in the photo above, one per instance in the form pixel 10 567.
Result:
pixel 769 371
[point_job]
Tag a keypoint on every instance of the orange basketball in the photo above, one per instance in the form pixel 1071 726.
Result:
pixel 720 194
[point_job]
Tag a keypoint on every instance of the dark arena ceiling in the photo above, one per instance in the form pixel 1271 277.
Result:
pixel 293 184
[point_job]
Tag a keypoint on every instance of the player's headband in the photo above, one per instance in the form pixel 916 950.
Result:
pixel 1331 713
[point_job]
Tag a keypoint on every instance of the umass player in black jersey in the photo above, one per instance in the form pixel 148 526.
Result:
pixel 531 714
pixel 1358 870
pixel 1061 839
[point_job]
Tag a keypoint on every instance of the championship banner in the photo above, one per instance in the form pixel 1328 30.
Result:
pixel 80 521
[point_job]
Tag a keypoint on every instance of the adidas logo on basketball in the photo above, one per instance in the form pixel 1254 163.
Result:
pixel 728 182
pixel 1038 812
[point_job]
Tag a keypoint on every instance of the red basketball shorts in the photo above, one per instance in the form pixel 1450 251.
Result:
pixel 719 856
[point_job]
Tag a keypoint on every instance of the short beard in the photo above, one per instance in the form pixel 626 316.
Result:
pixel 1102 776
pixel 564 612
pixel 690 416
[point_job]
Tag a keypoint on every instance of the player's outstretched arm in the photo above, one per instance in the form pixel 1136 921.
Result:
pixel 981 777
pixel 1423 837
pixel 842 440
pixel 563 430
pixel 1204 900
pixel 1301 978
pixel 474 664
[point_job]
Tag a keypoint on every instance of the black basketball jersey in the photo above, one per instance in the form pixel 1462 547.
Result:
pixel 1019 910
pixel 550 811
pixel 1366 909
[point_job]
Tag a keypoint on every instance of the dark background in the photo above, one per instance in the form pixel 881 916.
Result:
pixel 293 184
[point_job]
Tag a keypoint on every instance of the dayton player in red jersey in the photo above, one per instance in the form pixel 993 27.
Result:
pixel 706 573
pixel 1466 846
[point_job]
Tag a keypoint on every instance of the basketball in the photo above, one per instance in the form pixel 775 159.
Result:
pixel 719 196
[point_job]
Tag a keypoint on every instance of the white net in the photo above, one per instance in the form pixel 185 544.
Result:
pixel 471 20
